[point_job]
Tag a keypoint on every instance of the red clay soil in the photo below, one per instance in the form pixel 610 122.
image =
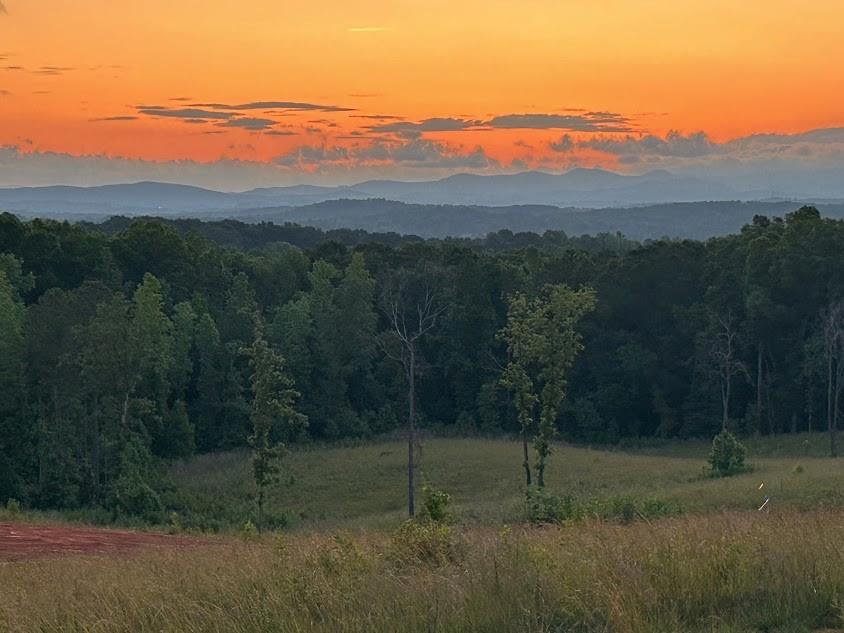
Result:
pixel 23 541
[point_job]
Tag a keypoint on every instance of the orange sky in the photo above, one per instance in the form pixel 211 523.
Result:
pixel 724 67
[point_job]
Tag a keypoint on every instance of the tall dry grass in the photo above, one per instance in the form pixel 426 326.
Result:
pixel 727 572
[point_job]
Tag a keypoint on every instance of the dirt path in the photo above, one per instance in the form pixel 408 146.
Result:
pixel 23 541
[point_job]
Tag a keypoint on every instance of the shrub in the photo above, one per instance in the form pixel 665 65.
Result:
pixel 543 507
pixel 13 506
pixel 134 496
pixel 248 531
pixel 425 543
pixel 435 503
pixel 727 455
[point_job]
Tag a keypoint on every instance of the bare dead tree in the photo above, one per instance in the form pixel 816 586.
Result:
pixel 410 318
pixel 725 354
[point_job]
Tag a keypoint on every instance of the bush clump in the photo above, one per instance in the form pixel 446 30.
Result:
pixel 544 508
pixel 435 504
pixel 727 455
pixel 424 543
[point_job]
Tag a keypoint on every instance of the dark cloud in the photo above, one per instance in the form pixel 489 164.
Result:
pixel 414 130
pixel 413 153
pixel 312 154
pixel 675 144
pixel 377 117
pixel 587 122
pixel 676 149
pixel 324 122
pixel 269 105
pixel 564 144
pixel 194 114
pixel 115 118
pixel 17 68
pixel 249 123
pixel 280 133
pixel 824 136
pixel 180 99
pixel 423 153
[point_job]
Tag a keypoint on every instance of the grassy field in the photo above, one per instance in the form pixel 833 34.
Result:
pixel 364 486
pixel 727 572
pixel 348 562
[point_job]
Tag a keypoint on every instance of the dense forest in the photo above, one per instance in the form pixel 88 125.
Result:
pixel 127 344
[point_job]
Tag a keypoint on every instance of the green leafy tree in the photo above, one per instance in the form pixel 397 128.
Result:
pixel 12 365
pixel 542 342
pixel 273 414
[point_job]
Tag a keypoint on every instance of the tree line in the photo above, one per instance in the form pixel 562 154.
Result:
pixel 120 349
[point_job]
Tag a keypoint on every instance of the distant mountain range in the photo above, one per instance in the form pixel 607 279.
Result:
pixel 579 201
pixel 590 188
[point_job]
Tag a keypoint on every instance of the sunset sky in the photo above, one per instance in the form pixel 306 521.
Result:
pixel 250 92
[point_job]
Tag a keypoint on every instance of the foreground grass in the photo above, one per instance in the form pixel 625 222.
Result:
pixel 364 486
pixel 725 572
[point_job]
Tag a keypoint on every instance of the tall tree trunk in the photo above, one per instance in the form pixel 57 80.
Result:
pixel 836 398
pixel 725 400
pixel 759 389
pixel 124 418
pixel 829 405
pixel 526 462
pixel 260 508
pixel 829 420
pixel 411 428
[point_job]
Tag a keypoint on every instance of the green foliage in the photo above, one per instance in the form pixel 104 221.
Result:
pixel 273 414
pixel 435 503
pixel 248 531
pixel 132 492
pixel 542 507
pixel 134 329
pixel 13 506
pixel 542 344
pixel 727 455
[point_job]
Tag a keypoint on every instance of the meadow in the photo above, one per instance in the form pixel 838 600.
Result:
pixel 346 560
pixel 364 486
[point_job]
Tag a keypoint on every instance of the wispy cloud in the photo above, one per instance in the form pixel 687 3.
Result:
pixel 377 117
pixel 272 105
pixel 52 71
pixel 114 118
pixel 415 129
pixel 187 114
pixel 586 122
pixel 3 9
pixel 249 123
